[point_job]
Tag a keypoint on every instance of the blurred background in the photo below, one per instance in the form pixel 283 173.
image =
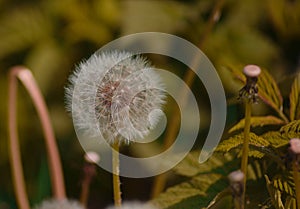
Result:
pixel 51 37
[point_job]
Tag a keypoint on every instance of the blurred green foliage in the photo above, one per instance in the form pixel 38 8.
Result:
pixel 51 36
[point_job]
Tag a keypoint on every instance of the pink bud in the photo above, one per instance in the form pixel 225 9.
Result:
pixel 92 157
pixel 252 70
pixel 295 146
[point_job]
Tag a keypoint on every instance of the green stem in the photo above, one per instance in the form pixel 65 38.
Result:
pixel 116 177
pixel 245 154
pixel 297 182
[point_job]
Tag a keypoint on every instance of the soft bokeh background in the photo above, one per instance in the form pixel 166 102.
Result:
pixel 52 36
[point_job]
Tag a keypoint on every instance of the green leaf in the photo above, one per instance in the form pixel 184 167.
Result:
pixel 258 121
pixel 295 99
pixel 238 139
pixel 274 194
pixel 205 182
pixel 284 183
pixel 275 138
pixel 201 188
pixel 268 91
pixel 291 130
pixel 190 166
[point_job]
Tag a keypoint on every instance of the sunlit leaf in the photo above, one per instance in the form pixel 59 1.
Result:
pixel 274 194
pixel 190 166
pixel 268 91
pixel 258 121
pixel 295 99
pixel 291 130
pixel 238 139
pixel 275 138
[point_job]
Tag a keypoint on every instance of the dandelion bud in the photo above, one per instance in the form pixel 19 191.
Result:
pixel 59 204
pixel 236 179
pixel 251 71
pixel 134 205
pixel 295 146
pixel 92 157
pixel 294 149
pixel 250 90
pixel 115 93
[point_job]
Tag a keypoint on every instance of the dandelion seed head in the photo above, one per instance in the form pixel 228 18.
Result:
pixel 134 205
pixel 59 204
pixel 117 91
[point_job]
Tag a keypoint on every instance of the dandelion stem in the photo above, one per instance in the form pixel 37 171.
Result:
pixel 25 76
pixel 116 177
pixel 160 180
pixel 245 153
pixel 297 182
pixel 89 170
pixel 14 147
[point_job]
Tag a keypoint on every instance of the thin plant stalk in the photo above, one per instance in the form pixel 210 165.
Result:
pixel 297 182
pixel 189 77
pixel 116 175
pixel 245 151
pixel 89 173
pixel 14 147
pixel 27 79
pixel 85 187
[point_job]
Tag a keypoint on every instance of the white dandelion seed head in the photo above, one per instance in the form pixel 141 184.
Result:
pixel 134 205
pixel 116 94
pixel 59 204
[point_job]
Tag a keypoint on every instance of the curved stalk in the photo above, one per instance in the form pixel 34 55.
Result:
pixel 25 76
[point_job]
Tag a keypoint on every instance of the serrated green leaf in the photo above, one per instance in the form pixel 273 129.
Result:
pixel 258 121
pixel 274 194
pixel 291 130
pixel 295 99
pixel 190 166
pixel 275 138
pixel 238 139
pixel 203 187
pixel 268 91
pixel 284 183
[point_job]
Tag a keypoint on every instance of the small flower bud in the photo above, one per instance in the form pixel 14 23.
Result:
pixel 250 90
pixel 251 71
pixel 294 150
pixel 92 157
pixel 295 146
pixel 236 179
pixel 236 176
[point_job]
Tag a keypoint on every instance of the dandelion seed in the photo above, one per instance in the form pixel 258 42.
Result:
pixel 118 91
pixel 59 204
pixel 134 205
